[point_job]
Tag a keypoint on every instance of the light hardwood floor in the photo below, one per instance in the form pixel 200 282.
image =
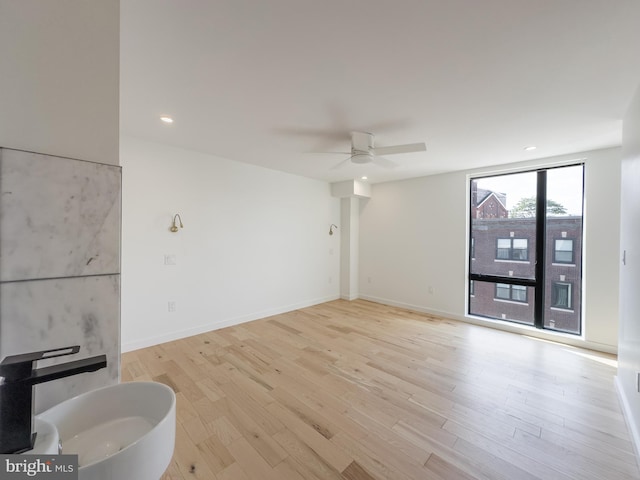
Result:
pixel 362 391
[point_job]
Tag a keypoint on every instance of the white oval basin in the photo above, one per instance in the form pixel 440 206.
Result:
pixel 46 439
pixel 124 431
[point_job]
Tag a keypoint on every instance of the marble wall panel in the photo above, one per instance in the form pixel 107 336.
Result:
pixel 59 217
pixel 45 314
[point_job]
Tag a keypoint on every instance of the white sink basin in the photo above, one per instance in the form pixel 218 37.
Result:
pixel 46 439
pixel 125 431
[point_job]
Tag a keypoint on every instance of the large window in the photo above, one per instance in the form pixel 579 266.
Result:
pixel 525 265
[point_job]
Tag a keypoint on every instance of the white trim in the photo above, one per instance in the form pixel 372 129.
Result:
pixel 558 309
pixel 515 302
pixel 563 264
pixel 499 260
pixel 628 417
pixel 230 322
pixel 350 298
pixel 512 327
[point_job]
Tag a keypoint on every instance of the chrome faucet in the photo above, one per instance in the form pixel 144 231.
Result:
pixel 18 376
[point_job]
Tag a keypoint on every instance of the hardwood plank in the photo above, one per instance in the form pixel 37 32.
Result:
pixel 215 454
pixel 224 430
pixel 321 446
pixel 251 462
pixel 506 450
pixel 262 442
pixel 379 466
pixel 189 460
pixel 233 472
pixel 356 472
pixel 444 469
pixel 251 408
pixel 305 460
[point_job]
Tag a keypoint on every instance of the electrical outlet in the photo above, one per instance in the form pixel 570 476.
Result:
pixel 430 289
pixel 170 259
pixel 171 306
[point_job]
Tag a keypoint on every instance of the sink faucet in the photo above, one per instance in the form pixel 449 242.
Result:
pixel 17 378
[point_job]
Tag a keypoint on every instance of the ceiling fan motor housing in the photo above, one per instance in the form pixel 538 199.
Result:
pixel 361 145
pixel 361 157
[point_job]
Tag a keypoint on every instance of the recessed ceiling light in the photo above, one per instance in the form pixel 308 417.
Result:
pixel 530 147
pixel 363 178
pixel 166 119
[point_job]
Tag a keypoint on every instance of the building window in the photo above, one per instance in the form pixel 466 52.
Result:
pixel 516 293
pixel 563 250
pixel 512 249
pixel 471 288
pixel 473 248
pixel 561 295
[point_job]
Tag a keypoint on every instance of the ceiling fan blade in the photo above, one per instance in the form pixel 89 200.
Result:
pixel 409 148
pixel 341 164
pixel 384 163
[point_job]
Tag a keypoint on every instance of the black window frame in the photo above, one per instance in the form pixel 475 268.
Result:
pixel 539 282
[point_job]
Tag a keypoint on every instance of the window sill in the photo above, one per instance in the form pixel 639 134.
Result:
pixel 523 262
pixel 558 309
pixel 563 264
pixel 514 302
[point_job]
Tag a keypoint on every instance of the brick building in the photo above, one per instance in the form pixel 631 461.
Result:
pixel 506 247
pixel 488 204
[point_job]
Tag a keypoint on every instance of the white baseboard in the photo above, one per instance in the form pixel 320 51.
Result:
pixel 632 423
pixel 349 297
pixel 208 327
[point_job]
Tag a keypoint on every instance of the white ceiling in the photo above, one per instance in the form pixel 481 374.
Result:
pixel 267 82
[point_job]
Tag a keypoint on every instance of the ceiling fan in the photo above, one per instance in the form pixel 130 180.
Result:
pixel 363 150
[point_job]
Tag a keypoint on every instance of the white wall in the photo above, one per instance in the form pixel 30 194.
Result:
pixel 629 342
pixel 413 236
pixel 349 256
pixel 59 80
pixel 255 242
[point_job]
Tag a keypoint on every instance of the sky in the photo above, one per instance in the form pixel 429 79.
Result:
pixel 564 185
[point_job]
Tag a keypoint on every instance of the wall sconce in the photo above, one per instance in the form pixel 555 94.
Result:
pixel 331 228
pixel 174 227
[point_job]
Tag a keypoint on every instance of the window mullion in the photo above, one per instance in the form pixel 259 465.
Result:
pixel 541 225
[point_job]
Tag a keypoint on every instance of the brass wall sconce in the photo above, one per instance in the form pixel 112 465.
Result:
pixel 331 228
pixel 174 227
